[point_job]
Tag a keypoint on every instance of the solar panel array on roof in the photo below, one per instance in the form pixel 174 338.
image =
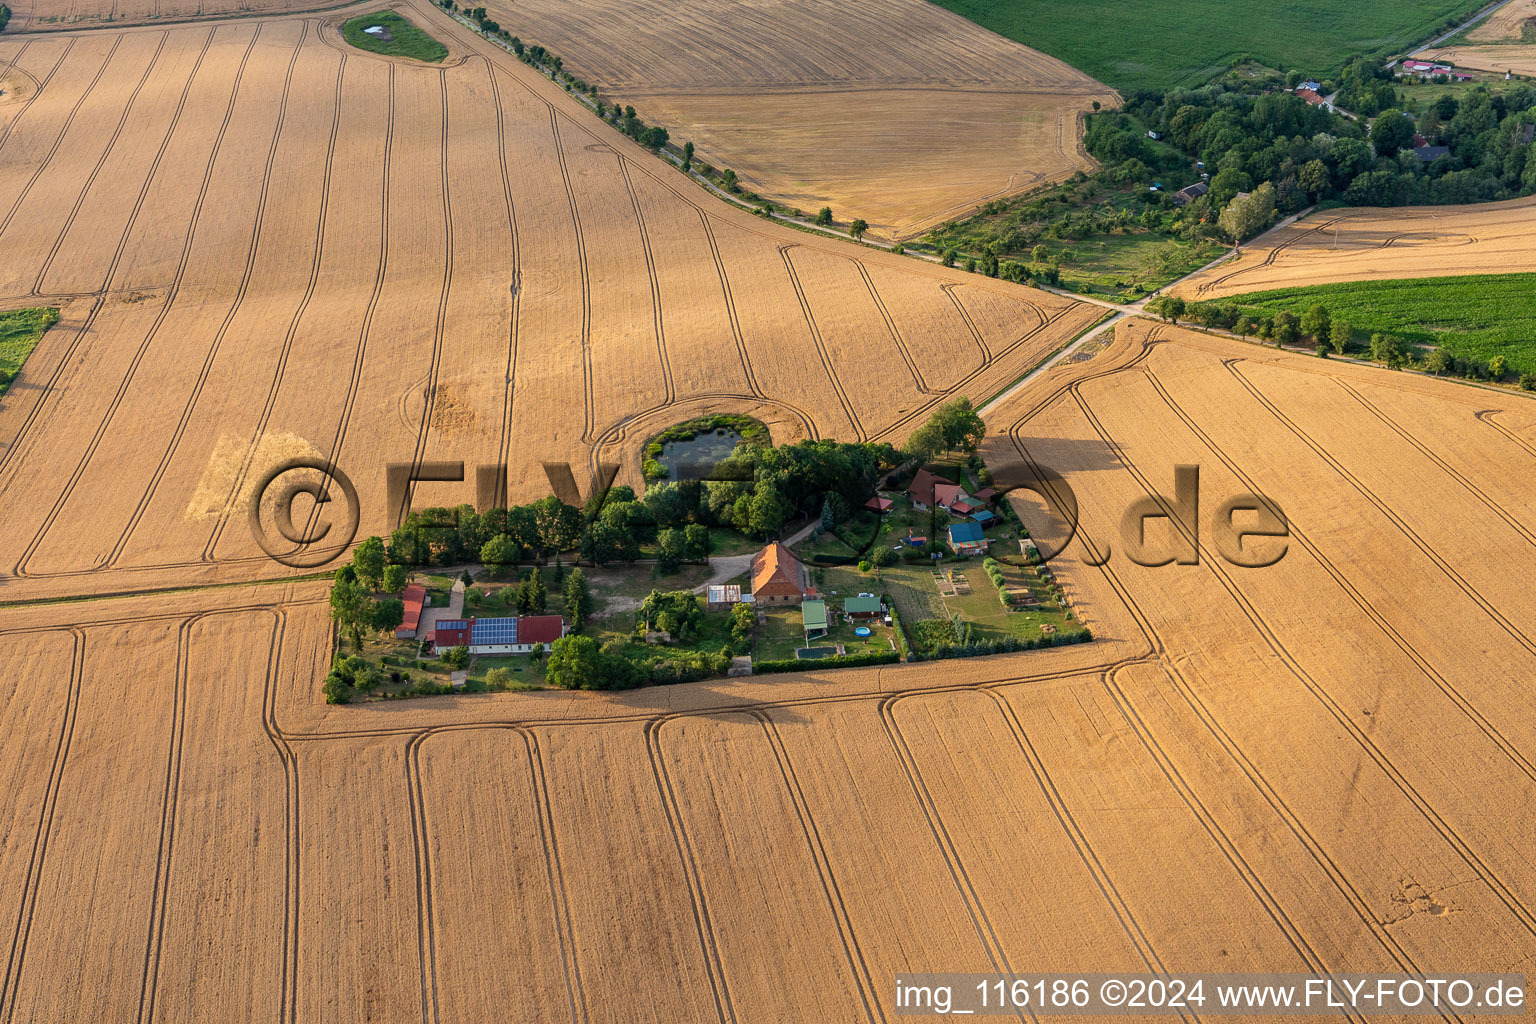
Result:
pixel 494 631
pixel 452 623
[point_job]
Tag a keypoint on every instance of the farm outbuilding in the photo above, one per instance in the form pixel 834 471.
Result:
pixel 814 613
pixel 723 595
pixel 966 539
pixel 863 608
pixel 415 599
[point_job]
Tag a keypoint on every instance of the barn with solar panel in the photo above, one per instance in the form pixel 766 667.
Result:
pixel 519 635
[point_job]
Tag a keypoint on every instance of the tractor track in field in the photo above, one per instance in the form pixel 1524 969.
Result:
pixel 858 964
pixel 1376 502
pixel 22 931
pixel 281 369
pixel 20 569
pixel 50 387
pixel 1456 841
pixel 1520 761
pixel 229 318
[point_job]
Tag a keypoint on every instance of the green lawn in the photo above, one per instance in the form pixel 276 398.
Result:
pixel 20 331
pixel 407 41
pixel 1473 317
pixel 1185 42
pixel 780 635
pixel 724 541
pixel 527 674
pixel 1128 266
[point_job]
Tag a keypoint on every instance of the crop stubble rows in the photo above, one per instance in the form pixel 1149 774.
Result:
pixel 1232 779
pixel 372 262
pixel 1371 244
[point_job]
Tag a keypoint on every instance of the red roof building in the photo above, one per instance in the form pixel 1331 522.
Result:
pixel 777 576
pixel 879 504
pixel 415 598
pixel 948 495
pixel 499 635
pixel 451 633
pixel 1313 99
pixel 540 629
pixel 921 488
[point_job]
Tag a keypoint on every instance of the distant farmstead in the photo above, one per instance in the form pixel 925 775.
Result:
pixel 515 635
pixel 1312 98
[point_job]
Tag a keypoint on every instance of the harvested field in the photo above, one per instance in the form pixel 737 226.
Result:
pixel 1366 244
pixel 58 15
pixel 1506 24
pixel 1229 779
pixel 1519 58
pixel 426 264
pixel 894 111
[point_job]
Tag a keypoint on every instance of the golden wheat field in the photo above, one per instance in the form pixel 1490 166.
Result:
pixel 1505 24
pixel 1519 58
pixel 267 246
pixel 1365 244
pixel 1232 778
pixel 894 111
pixel 53 15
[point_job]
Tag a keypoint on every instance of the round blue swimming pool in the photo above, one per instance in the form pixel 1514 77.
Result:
pixel 862 631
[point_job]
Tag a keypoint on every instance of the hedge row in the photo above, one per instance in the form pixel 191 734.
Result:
pixel 1009 644
pixel 844 661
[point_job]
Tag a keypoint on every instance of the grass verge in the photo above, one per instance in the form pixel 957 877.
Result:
pixel 20 331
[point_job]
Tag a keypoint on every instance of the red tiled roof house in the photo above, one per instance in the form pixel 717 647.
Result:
pixel 777 576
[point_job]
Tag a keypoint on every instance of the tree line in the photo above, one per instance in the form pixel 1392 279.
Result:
pixel 1330 335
